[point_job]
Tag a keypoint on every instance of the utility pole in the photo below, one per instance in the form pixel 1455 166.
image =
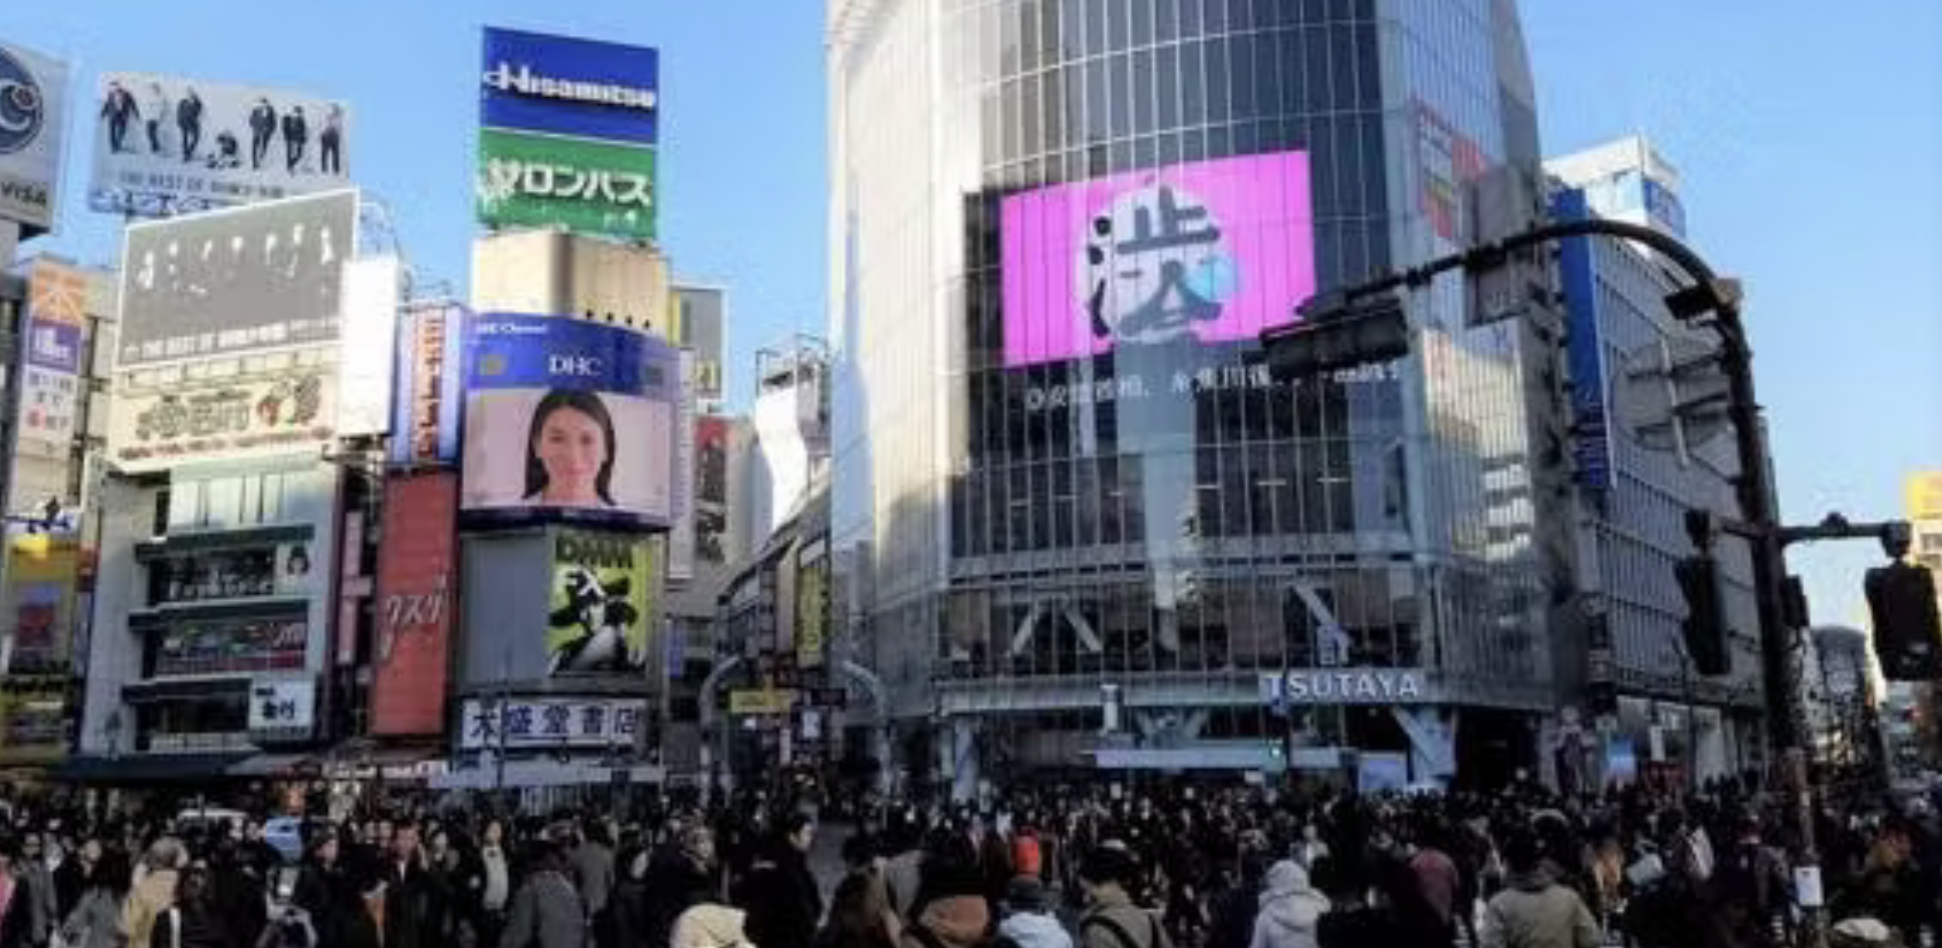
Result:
pixel 1314 344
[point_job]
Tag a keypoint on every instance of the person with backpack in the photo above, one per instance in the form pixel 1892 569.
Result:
pixel 1112 920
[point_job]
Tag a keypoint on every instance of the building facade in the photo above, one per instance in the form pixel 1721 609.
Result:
pixel 51 418
pixel 1256 575
pixel 1636 477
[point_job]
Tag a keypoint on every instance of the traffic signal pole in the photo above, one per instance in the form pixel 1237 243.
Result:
pixel 1708 293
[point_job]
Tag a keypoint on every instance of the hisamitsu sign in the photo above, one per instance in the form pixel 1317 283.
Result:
pixel 562 85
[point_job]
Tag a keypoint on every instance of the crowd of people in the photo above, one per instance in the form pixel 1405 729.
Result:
pixel 1163 866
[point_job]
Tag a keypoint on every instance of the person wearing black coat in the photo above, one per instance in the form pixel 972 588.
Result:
pixel 780 894
pixel 626 923
pixel 410 895
pixel 678 880
pixel 334 898
pixel 262 128
pixel 296 133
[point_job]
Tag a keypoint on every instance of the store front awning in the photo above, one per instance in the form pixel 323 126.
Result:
pixel 274 765
pixel 359 759
pixel 148 768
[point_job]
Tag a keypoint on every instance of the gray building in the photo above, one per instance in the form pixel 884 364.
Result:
pixel 1254 575
pixel 1636 477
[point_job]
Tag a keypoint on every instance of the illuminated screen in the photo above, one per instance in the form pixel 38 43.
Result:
pixel 1219 250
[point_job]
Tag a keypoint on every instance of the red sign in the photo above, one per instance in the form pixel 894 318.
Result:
pixel 416 581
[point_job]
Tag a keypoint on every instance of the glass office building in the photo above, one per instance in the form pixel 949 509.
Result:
pixel 1075 522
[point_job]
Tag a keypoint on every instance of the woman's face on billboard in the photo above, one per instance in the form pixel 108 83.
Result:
pixel 572 448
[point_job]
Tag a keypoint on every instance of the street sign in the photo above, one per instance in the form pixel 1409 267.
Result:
pixel 1672 394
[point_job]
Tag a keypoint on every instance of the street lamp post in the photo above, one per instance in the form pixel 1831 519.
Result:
pixel 1708 293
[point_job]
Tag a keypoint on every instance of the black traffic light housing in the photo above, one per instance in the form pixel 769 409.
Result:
pixel 1706 633
pixel 1338 333
pixel 1908 634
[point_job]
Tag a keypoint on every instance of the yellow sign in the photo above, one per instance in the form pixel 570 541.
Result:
pixel 1925 496
pixel 761 701
pixel 812 613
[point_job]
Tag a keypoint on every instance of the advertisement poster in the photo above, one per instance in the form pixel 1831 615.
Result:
pixel 711 489
pixel 1219 250
pixel 563 85
pixel 585 187
pixel 567 134
pixel 165 145
pixel 570 419
pixel 367 355
pixel 223 647
pixel 33 724
pixel 601 603
pixel 233 282
pixel 812 604
pixel 700 314
pixel 416 580
pixel 33 113
pixel 50 359
pixel 160 429
pixel 425 415
pixel 1584 351
pixel 41 576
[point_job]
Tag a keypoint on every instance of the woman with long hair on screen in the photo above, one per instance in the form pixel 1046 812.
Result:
pixel 570 451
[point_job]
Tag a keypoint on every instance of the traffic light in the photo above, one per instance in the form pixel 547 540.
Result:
pixel 1705 628
pixel 1336 333
pixel 1908 634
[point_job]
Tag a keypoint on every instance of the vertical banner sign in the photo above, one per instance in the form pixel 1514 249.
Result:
pixel 711 489
pixel 33 111
pixel 601 607
pixel 368 347
pixel 812 604
pixel 1584 350
pixel 416 575
pixel 50 358
pixel 681 539
pixel 425 413
pixel 568 129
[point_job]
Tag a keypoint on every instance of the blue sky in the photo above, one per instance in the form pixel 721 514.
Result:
pixel 1808 140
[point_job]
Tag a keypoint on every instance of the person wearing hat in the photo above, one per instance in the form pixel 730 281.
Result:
pixel 1290 909
pixel 1112 920
pixel 1029 922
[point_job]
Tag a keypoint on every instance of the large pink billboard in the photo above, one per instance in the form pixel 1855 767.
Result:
pixel 1217 249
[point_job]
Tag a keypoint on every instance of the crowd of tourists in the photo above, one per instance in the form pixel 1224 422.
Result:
pixel 1159 865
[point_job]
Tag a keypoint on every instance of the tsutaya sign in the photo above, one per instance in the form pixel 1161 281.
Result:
pixel 1348 686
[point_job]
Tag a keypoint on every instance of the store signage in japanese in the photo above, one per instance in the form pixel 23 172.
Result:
pixel 528 723
pixel 567 133
pixel 584 186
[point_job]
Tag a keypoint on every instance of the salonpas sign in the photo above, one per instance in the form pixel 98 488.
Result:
pixel 587 187
pixel 1348 686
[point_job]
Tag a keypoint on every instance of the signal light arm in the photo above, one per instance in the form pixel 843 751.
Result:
pixel 1707 292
